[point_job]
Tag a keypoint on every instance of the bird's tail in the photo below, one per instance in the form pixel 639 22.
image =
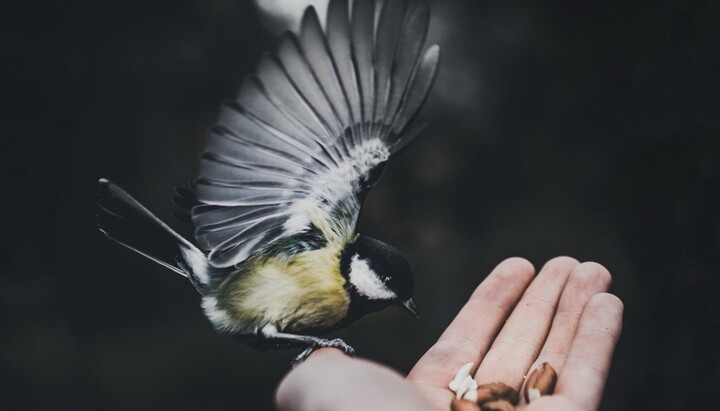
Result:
pixel 124 220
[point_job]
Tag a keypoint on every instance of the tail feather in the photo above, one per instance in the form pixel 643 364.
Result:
pixel 124 220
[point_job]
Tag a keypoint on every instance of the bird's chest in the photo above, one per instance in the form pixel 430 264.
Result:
pixel 302 293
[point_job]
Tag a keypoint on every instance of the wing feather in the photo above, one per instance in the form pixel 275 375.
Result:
pixel 256 102
pixel 223 234
pixel 273 76
pixel 304 81
pixel 388 32
pixel 418 90
pixel 408 52
pixel 310 130
pixel 224 169
pixel 315 47
pixel 269 136
pixel 241 245
pixel 363 38
pixel 338 28
pixel 220 193
pixel 227 216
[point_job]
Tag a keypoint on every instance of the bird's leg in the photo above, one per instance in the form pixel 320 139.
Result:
pixel 302 356
pixel 312 343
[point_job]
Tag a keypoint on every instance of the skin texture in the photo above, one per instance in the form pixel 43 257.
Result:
pixel 513 322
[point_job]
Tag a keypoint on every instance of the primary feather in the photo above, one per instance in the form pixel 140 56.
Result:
pixel 307 133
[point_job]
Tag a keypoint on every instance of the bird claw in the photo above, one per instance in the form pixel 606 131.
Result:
pixel 341 345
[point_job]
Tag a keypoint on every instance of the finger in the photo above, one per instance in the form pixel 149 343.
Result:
pixel 469 336
pixel 586 280
pixel 583 377
pixel 330 380
pixel 520 340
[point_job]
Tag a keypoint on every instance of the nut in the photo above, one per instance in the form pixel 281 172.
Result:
pixel 484 396
pixel 500 405
pixel 463 405
pixel 500 391
pixel 541 382
pixel 471 395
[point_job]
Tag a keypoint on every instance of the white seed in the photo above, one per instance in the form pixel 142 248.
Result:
pixel 466 385
pixel 471 395
pixel 460 376
pixel 463 381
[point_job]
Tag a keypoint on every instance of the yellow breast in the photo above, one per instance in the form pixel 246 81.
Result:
pixel 305 291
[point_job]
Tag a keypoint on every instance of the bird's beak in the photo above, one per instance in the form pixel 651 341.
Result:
pixel 410 305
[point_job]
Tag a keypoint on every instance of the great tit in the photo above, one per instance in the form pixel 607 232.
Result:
pixel 285 171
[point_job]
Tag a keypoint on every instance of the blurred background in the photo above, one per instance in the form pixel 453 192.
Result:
pixel 589 129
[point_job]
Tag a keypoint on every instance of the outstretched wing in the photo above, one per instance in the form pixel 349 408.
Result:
pixel 308 132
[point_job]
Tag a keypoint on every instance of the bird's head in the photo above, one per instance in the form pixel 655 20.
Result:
pixel 377 275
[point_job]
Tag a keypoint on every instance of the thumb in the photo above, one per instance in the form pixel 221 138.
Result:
pixel 329 380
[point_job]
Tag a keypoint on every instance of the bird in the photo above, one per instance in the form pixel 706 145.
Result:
pixel 276 256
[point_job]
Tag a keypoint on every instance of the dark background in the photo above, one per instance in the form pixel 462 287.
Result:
pixel 584 128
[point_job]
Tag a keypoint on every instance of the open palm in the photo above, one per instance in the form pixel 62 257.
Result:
pixel 514 321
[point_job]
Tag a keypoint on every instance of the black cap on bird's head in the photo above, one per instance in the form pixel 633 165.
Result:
pixel 377 275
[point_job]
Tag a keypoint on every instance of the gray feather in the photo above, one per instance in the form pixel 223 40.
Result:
pixel 388 31
pixel 276 82
pixel 363 38
pixel 312 114
pixel 338 28
pixel 419 89
pixel 314 45
pixel 293 60
pixel 408 54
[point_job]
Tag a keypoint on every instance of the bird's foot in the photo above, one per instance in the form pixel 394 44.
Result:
pixel 335 343
pixel 340 345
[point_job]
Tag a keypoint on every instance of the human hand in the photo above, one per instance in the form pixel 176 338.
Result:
pixel 513 322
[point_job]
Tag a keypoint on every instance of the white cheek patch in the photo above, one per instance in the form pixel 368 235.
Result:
pixel 366 281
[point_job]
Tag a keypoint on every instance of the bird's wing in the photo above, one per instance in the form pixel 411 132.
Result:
pixel 310 131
